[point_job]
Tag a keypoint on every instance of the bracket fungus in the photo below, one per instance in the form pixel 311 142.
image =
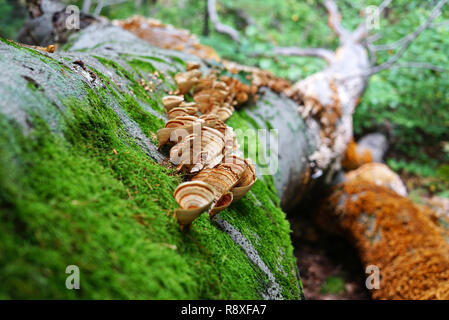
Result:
pixel 193 197
pixel 171 102
pixel 198 151
pixel 203 146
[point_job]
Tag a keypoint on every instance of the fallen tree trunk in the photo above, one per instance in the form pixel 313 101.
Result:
pixel 83 183
pixel 403 242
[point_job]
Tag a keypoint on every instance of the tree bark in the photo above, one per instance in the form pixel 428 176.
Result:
pixel 206 21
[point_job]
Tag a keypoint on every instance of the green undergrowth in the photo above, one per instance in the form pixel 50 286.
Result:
pixel 89 196
pixel 333 285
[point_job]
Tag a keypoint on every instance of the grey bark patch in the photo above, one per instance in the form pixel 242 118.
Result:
pixel 376 143
pixel 279 112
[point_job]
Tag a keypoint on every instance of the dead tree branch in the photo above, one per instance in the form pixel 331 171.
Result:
pixel 105 3
pixel 220 27
pixel 334 20
pixel 444 23
pixel 325 54
pixel 86 6
pixel 416 65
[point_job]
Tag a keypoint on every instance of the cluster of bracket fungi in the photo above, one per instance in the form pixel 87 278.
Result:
pixel 203 146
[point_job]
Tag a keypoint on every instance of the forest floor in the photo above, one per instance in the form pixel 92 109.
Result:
pixel 329 266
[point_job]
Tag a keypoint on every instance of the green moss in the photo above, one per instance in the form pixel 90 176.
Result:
pixel 249 120
pixel 179 61
pixel 135 88
pixel 265 224
pixel 51 62
pixel 139 64
pixel 267 206
pixel 256 152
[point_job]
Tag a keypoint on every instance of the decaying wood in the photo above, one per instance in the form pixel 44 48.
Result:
pixel 405 242
pixel 166 36
pixel 67 77
pixel 327 98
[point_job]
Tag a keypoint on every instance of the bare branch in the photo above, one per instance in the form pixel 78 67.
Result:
pixel 99 7
pixel 362 30
pixel 420 65
pixel 444 23
pixel 86 6
pixel 383 6
pixel 410 64
pixel 372 53
pixel 373 38
pixel 405 42
pixel 222 28
pixel 325 54
pixel 334 20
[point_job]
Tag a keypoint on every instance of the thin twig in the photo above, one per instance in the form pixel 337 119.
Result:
pixel 411 36
pixel 417 65
pixel 444 23
pixel 325 54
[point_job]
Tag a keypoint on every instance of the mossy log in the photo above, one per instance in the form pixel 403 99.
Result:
pixel 83 183
pixel 405 242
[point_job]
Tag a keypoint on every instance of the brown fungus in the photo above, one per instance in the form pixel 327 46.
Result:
pixel 203 145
